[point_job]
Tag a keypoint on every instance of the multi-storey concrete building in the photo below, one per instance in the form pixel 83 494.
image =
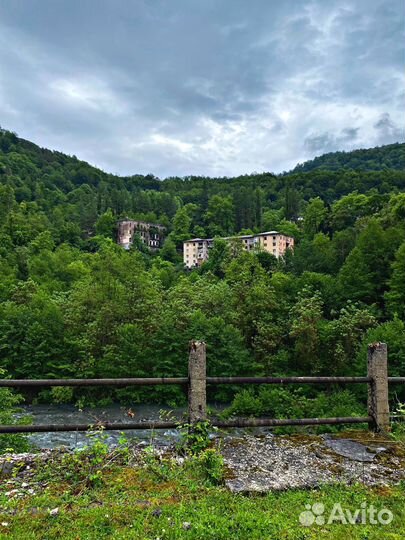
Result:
pixel 196 250
pixel 151 234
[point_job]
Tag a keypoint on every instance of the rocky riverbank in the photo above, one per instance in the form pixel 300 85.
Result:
pixel 260 463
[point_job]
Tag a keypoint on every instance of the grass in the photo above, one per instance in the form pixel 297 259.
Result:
pixel 163 499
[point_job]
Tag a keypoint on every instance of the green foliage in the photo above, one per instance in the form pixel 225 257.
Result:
pixel 218 259
pixel 168 251
pixel 245 403
pixel 9 402
pixel 392 333
pixel 206 466
pixel 271 219
pixel 375 159
pixel 348 209
pixel 106 224
pixel 183 505
pixel 306 316
pixel 285 403
pixel 395 295
pixel 62 394
pixel 220 216
pixel 212 465
pixel 399 424
pixel 73 303
pixel 182 224
pixel 314 217
pixel 195 438
pixel 292 201
pixel 367 268
pixel 84 468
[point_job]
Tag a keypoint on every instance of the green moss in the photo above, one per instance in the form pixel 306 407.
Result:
pixel 135 503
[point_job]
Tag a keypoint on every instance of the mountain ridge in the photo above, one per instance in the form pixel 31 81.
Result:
pixel 332 161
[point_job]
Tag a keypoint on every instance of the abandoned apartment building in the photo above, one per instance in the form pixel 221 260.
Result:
pixel 196 250
pixel 151 234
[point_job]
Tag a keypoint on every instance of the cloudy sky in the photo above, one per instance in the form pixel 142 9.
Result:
pixel 213 87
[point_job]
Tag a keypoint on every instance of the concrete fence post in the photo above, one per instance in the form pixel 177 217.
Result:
pixel 197 393
pixel 378 407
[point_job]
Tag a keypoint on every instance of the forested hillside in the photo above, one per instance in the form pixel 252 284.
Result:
pixel 372 159
pixel 73 303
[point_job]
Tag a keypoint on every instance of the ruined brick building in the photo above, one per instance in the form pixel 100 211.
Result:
pixel 151 234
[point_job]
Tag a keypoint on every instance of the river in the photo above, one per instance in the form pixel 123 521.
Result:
pixel 68 414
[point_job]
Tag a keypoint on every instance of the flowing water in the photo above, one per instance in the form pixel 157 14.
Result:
pixel 68 414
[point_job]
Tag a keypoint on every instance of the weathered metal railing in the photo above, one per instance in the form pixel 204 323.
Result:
pixel 93 382
pixel 377 380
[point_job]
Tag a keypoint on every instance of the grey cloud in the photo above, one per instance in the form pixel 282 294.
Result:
pixel 350 134
pixel 388 130
pixel 319 143
pixel 201 86
pixel 327 142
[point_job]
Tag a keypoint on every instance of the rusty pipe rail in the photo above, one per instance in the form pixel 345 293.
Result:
pixel 235 423
pixel 274 422
pixel 378 405
pixel 138 381
pixel 108 426
pixel 149 381
pixel 286 380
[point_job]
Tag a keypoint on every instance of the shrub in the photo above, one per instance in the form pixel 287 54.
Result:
pixel 194 438
pixel 9 400
pixel 285 403
pixel 398 427
pixel 245 403
pixel 85 468
pixel 62 394
pixel 211 463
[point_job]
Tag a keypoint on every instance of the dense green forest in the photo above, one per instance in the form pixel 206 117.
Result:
pixel 375 159
pixel 73 303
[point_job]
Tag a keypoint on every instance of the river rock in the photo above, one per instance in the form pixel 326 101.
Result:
pixel 353 449
pixel 262 464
